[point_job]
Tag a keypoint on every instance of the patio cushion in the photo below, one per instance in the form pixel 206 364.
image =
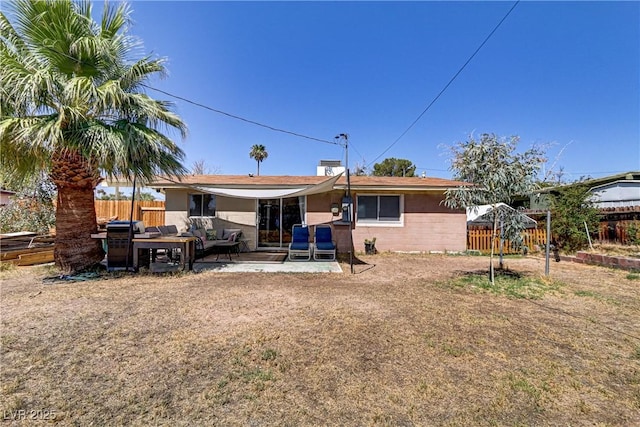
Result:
pixel 227 232
pixel 323 234
pixel 299 246
pixel 325 246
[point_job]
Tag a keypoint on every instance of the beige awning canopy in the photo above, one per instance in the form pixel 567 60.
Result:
pixel 272 193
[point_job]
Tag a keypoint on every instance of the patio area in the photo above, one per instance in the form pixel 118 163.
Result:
pixel 266 262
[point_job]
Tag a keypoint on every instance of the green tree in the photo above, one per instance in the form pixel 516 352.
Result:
pixel 394 167
pixel 498 173
pixel 258 153
pixel 572 207
pixel 31 208
pixel 73 105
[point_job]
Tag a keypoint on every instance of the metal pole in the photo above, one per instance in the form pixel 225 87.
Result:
pixel 346 150
pixel 548 245
pixel 350 206
pixel 130 234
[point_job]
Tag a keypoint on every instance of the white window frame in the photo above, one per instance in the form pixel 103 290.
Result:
pixel 376 222
pixel 201 195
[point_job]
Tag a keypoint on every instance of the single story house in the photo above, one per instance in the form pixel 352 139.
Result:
pixel 610 193
pixel 403 214
pixel 618 191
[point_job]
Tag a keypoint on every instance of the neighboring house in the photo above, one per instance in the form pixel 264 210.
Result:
pixel 619 192
pixel 4 196
pixel 616 196
pixel 403 214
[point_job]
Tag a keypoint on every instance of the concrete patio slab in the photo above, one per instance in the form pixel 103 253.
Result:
pixel 284 267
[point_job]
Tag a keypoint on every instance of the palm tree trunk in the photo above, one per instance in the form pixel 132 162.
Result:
pixel 258 174
pixel 75 180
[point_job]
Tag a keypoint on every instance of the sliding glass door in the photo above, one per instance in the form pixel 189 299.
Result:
pixel 269 223
pixel 276 218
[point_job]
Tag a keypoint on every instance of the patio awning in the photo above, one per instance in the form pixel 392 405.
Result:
pixel 272 193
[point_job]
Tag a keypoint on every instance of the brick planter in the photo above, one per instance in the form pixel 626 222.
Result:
pixel 614 261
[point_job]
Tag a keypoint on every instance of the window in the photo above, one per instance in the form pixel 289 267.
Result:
pixel 379 209
pixel 202 205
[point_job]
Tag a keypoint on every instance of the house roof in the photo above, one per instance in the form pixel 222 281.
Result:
pixel 627 176
pixel 289 181
pixel 399 182
pixel 598 182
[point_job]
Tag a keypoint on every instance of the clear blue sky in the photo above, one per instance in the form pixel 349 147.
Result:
pixel 565 74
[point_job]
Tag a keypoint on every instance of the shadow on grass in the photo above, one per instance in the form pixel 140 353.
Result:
pixel 499 272
pixel 357 262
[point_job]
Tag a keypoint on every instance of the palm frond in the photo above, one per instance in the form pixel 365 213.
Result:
pixel 69 83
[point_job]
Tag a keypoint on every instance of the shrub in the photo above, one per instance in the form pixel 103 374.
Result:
pixel 27 215
pixel 571 208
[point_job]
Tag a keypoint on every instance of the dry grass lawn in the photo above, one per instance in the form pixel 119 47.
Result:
pixel 401 343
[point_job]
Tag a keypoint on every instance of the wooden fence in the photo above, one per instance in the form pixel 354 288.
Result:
pixel 480 240
pixel 618 232
pixel 150 212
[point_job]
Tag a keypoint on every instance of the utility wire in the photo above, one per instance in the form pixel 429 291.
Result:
pixel 238 117
pixel 211 108
pixel 448 84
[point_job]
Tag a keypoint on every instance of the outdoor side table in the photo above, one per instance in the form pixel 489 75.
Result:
pixel 227 248
pixel 187 246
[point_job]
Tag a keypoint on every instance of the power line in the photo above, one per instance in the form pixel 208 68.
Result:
pixel 448 84
pixel 211 108
pixel 238 117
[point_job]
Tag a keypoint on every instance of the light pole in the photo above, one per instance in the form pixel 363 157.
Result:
pixel 345 143
pixel 345 139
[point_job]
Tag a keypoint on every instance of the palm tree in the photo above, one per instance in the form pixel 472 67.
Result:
pixel 73 105
pixel 259 153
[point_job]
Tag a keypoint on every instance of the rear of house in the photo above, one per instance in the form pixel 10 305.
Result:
pixel 403 214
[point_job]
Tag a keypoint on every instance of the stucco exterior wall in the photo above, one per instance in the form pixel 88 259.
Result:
pixel 426 224
pixel 230 213
pixel 237 213
pixel 319 207
pixel 176 208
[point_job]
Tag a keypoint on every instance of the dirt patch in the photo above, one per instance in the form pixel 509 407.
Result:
pixel 397 343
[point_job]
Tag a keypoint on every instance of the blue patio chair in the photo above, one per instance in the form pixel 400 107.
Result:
pixel 299 248
pixel 324 246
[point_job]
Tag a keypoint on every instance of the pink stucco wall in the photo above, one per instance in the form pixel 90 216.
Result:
pixel 427 225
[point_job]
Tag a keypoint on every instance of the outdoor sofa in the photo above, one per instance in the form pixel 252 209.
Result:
pixel 216 241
